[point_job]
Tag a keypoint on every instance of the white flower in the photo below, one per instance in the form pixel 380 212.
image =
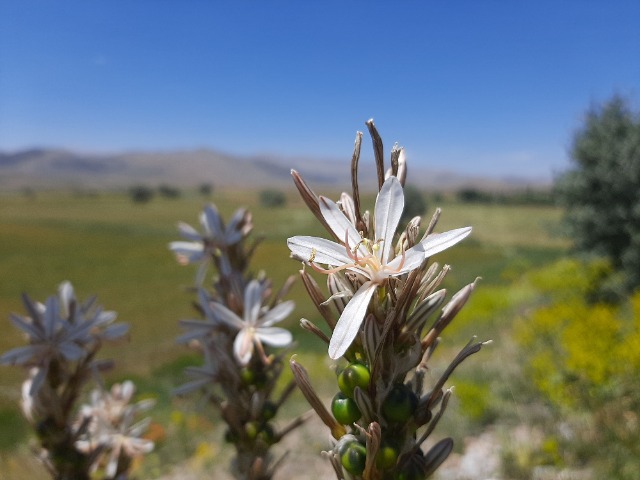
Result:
pixel 374 259
pixel 112 430
pixel 59 329
pixel 200 246
pixel 255 327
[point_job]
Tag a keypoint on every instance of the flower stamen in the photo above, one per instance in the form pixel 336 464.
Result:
pixel 331 270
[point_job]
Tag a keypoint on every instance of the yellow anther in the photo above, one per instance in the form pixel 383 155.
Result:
pixel 313 255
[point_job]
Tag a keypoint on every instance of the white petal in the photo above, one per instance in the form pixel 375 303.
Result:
pixel 224 265
pixel 319 249
pixel 252 301
pixel 389 206
pixel 203 299
pixel 341 226
pixel 202 271
pixel 191 386
pixel 20 355
pixel 186 248
pixel 137 446
pixel 115 331
pixel 66 296
pixel 188 232
pixel 275 336
pixel 52 308
pixel 227 316
pixel 413 258
pixel 348 207
pixel 277 313
pixel 28 327
pixel 112 465
pixel 71 351
pixel 211 221
pixel 350 321
pixel 106 317
pixel 128 389
pixel 237 217
pixel 243 346
pixel 233 234
pixel 437 242
pixel 38 379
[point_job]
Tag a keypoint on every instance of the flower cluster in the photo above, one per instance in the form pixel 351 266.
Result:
pixel 218 243
pixel 383 290
pixel 236 337
pixel 64 337
pixel 112 437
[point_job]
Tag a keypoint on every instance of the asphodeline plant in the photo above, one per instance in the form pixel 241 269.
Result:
pixel 242 349
pixel 64 337
pixel 382 291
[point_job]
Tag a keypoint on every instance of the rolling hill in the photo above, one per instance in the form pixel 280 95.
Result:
pixel 42 168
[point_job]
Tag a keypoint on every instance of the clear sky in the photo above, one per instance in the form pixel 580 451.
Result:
pixel 494 87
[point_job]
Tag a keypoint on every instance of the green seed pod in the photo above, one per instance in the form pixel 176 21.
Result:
pixel 387 457
pixel 354 458
pixel 251 429
pixel 250 376
pixel 267 434
pixel 269 410
pixel 355 375
pixel 411 471
pixel 247 376
pixel 400 404
pixel 344 409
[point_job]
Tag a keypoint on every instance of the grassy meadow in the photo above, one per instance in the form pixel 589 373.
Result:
pixel 108 245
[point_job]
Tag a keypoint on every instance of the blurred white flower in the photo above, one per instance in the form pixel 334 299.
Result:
pixel 59 330
pixel 111 426
pixel 256 326
pixel 374 259
pixel 200 246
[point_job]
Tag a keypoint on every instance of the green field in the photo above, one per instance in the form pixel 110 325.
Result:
pixel 107 245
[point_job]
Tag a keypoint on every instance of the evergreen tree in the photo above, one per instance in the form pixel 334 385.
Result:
pixel 602 190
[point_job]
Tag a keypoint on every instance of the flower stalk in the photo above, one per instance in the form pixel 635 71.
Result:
pixel 242 348
pixel 383 290
pixel 64 338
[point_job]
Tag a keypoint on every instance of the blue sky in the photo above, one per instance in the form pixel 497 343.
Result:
pixel 486 87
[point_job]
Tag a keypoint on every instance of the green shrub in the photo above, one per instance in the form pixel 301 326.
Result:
pixel 272 198
pixel 205 189
pixel 472 195
pixel 602 191
pixel 476 401
pixel 584 358
pixel 167 191
pixel 414 204
pixel 141 194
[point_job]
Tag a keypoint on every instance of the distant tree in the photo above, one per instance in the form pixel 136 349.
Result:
pixel 167 191
pixel 414 204
pixel 141 193
pixel 205 189
pixel 473 195
pixel 29 193
pixel 532 196
pixel 602 190
pixel 272 198
pixel 437 197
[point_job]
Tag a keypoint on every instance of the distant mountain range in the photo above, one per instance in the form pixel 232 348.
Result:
pixel 63 169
